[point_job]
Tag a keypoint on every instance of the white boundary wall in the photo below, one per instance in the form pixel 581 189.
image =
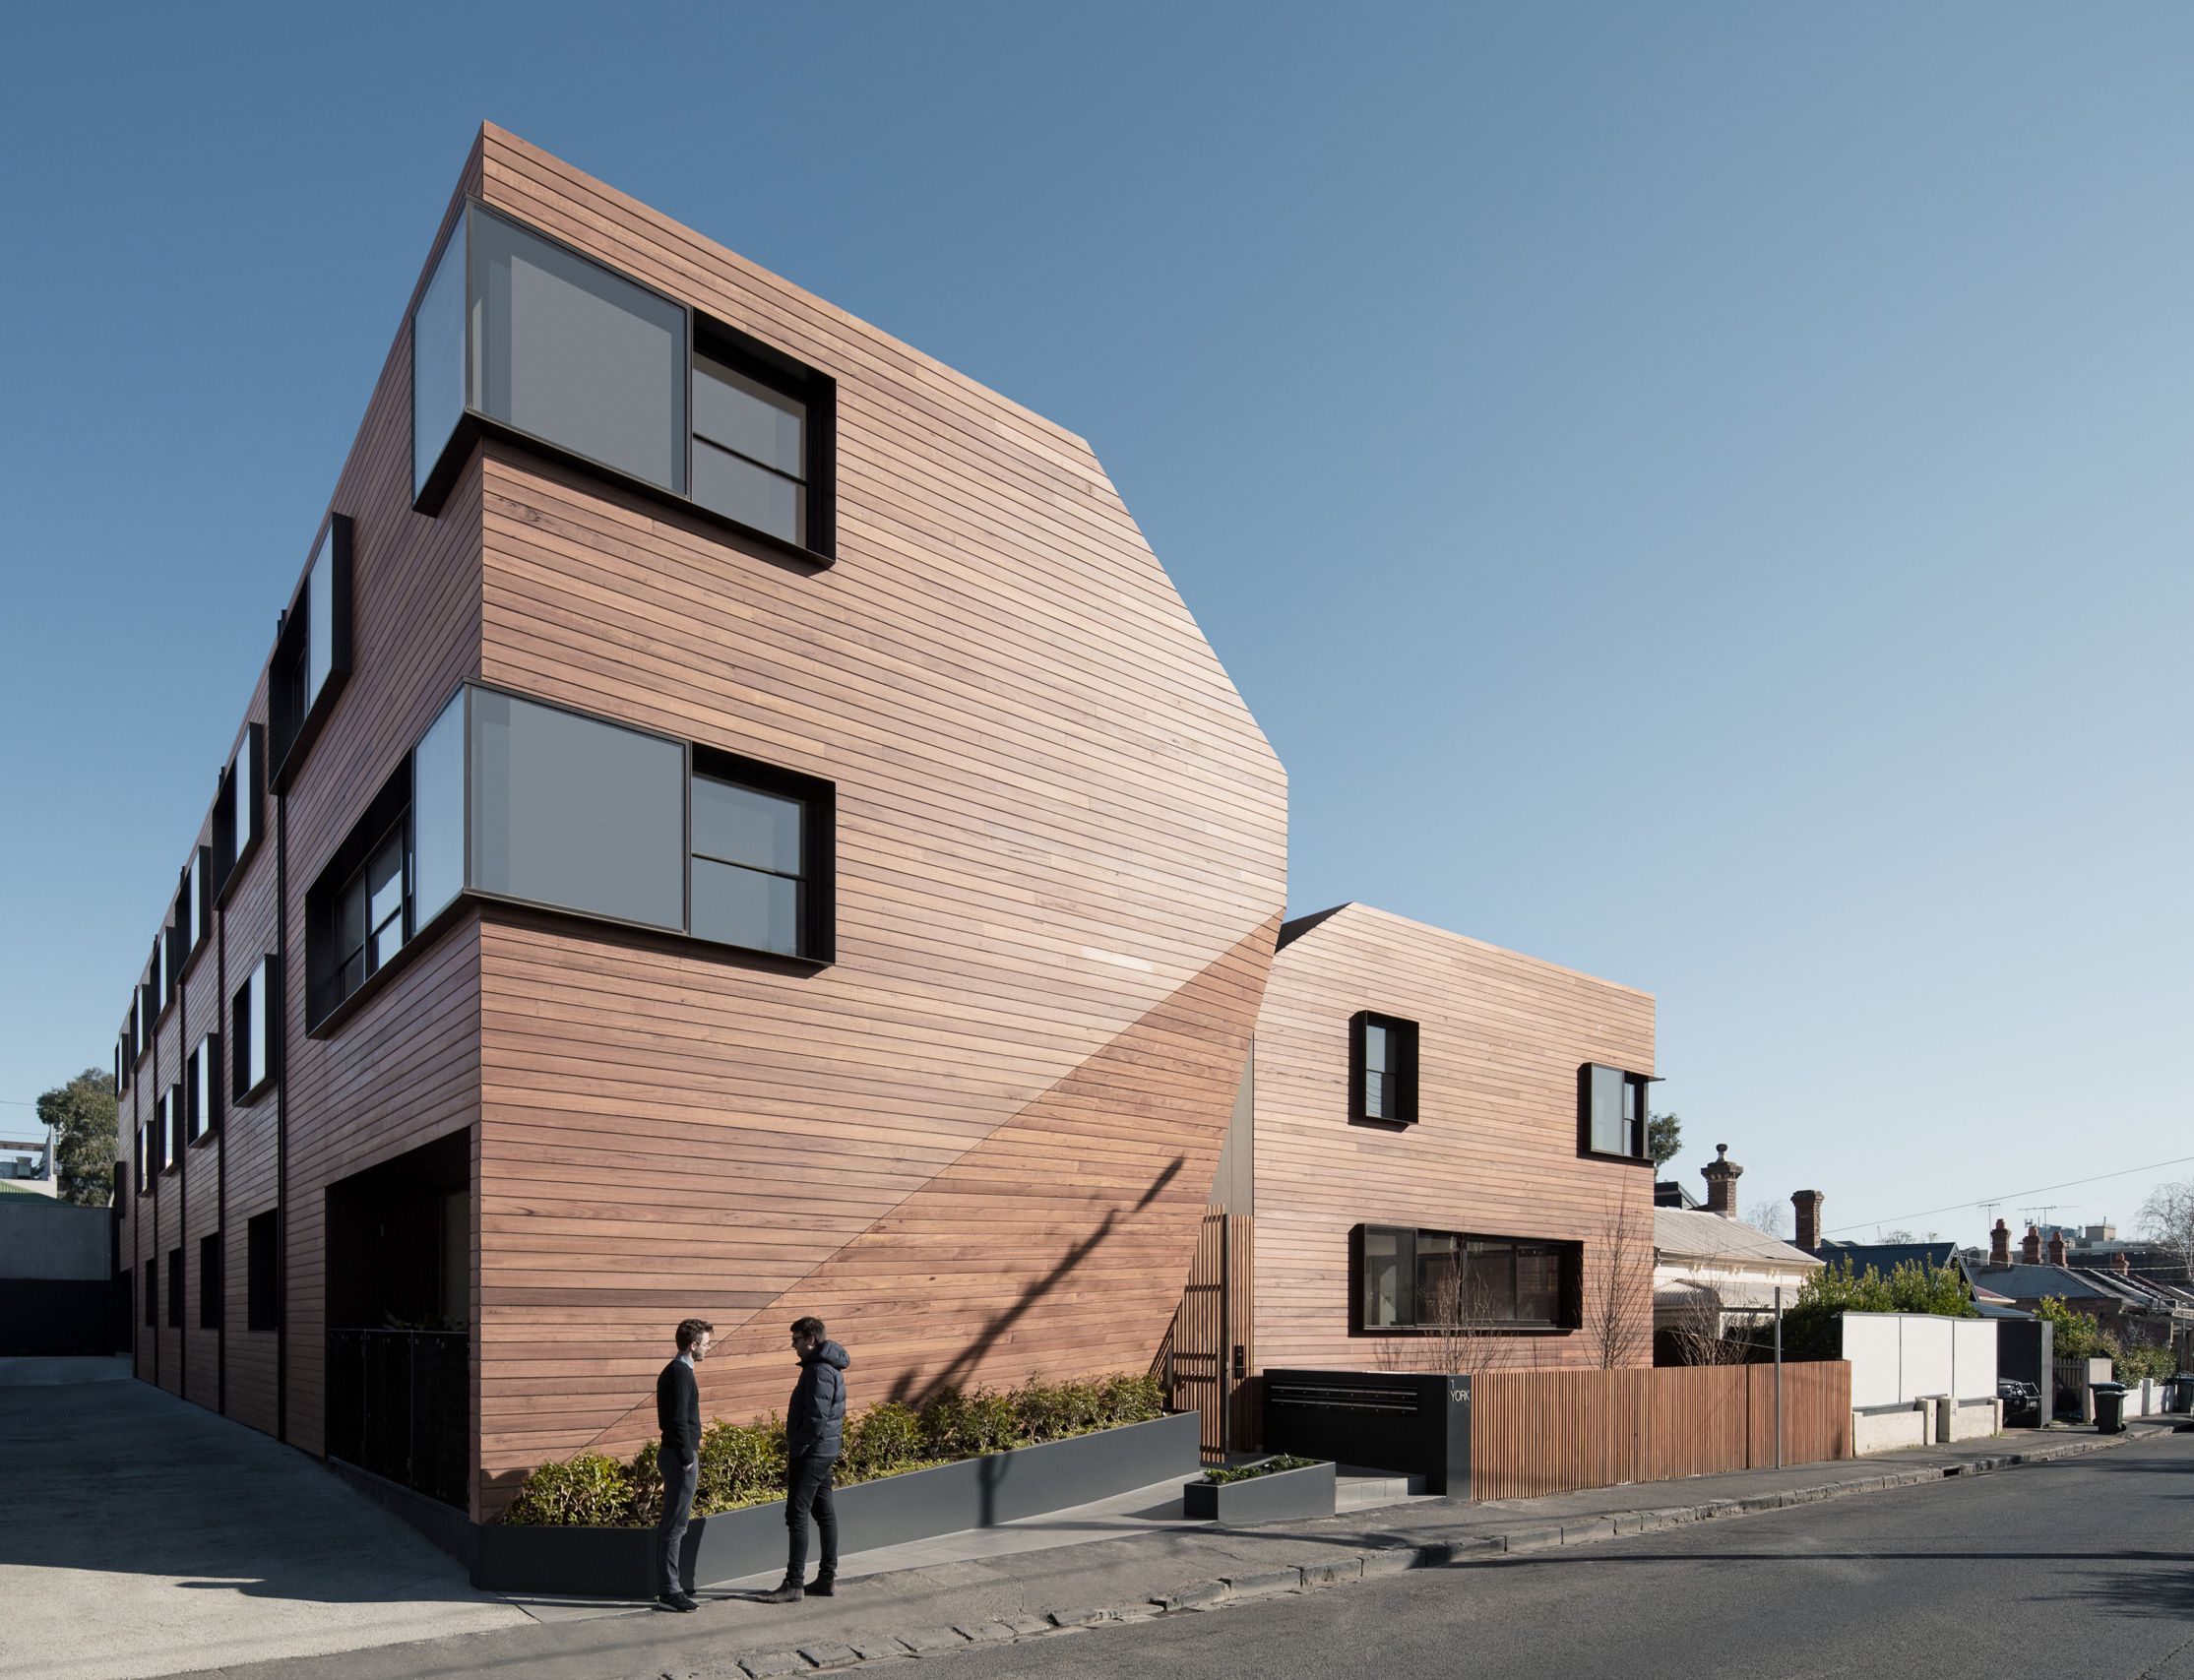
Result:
pixel 1899 1357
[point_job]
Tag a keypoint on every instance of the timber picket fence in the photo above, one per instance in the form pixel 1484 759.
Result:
pixel 1537 1432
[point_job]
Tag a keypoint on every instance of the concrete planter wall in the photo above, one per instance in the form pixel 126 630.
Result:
pixel 976 1493
pixel 1274 1498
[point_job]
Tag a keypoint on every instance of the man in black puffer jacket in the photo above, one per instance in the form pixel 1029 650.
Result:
pixel 814 1432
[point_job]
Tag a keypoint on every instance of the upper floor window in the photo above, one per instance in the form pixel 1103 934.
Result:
pixel 1383 1068
pixel 251 1031
pixel 167 959
pixel 1612 1111
pixel 171 1126
pixel 750 861
pixel 194 903
pixel 1420 1280
pixel 369 914
pixel 237 807
pixel 145 1163
pixel 312 655
pixel 202 1089
pixel 519 332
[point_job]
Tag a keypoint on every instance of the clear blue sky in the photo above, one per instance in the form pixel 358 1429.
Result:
pixel 1702 494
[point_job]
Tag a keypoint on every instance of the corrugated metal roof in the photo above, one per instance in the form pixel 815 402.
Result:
pixel 1688 1235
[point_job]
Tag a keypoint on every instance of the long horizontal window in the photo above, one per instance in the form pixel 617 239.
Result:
pixel 526 334
pixel 1408 1278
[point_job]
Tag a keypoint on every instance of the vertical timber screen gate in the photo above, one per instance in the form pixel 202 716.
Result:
pixel 1535 1432
pixel 1207 1354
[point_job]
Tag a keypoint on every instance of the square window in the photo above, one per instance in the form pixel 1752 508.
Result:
pixel 1612 1112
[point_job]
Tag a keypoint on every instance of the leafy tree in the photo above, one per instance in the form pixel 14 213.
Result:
pixel 2075 1334
pixel 82 1113
pixel 1663 1138
pixel 1810 1329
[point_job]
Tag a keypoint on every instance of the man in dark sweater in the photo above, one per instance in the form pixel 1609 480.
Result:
pixel 814 1431
pixel 678 1416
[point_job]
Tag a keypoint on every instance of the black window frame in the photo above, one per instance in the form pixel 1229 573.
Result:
pixel 1640 1084
pixel 295 717
pixel 243 789
pixel 171 1128
pixel 818 878
pixel 147 1177
pixel 194 906
pixel 174 1285
pixel 266 978
pixel 262 1272
pixel 782 372
pixel 1568 1258
pixel 387 818
pixel 210 1302
pixel 1401 1036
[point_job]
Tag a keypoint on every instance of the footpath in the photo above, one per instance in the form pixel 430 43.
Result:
pixel 1072 1589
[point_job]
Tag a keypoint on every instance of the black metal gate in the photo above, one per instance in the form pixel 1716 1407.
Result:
pixel 399 1406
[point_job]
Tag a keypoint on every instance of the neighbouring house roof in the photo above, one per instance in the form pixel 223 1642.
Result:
pixel 2023 1283
pixel 1679 1233
pixel 1887 1257
pixel 1730 1294
pixel 1670 1192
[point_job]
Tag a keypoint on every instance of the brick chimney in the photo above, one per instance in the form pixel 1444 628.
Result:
pixel 2029 1247
pixel 1721 1175
pixel 1999 1247
pixel 2057 1248
pixel 1808 1205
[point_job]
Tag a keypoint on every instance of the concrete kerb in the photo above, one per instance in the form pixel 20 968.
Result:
pixel 1199 1597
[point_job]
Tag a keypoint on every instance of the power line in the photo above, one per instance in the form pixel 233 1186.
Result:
pixel 1960 1206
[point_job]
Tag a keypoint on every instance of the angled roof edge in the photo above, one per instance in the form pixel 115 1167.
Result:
pixel 1290 931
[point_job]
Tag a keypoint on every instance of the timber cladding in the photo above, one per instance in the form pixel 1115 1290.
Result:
pixel 979 1144
pixel 1493 1150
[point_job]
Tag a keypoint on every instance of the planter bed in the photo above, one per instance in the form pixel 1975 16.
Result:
pixel 974 1493
pixel 1274 1498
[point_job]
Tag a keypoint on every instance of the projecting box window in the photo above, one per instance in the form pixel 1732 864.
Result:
pixel 202 1081
pixel 1611 1117
pixel 261 1274
pixel 209 1282
pixel 237 808
pixel 312 655
pixel 1382 1069
pixel 1410 1279
pixel 251 1031
pixel 521 335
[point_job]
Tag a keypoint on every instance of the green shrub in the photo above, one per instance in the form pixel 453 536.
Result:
pixel 1268 1467
pixel 2131 1364
pixel 957 1425
pixel 1132 1400
pixel 1809 1330
pixel 1052 1411
pixel 740 1464
pixel 646 1478
pixel 590 1490
pixel 883 1441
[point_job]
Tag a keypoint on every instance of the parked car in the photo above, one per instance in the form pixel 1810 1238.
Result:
pixel 2021 1403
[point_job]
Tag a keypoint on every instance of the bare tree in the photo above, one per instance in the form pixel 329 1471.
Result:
pixel 1618 1288
pixel 1699 1333
pixel 1770 1216
pixel 2167 1215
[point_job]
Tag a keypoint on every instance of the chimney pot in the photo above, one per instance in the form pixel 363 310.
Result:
pixel 2057 1248
pixel 1808 1205
pixel 1721 1175
pixel 1999 1247
pixel 2029 1247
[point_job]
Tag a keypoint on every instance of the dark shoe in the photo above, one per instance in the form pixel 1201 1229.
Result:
pixel 679 1601
pixel 787 1592
pixel 821 1587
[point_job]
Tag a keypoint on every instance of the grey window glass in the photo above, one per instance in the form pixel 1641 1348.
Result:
pixel 578 356
pixel 734 486
pixel 320 620
pixel 1607 1110
pixel 744 825
pixel 244 775
pixel 1383 1287
pixel 191 903
pixel 1439 1282
pixel 746 906
pixel 438 359
pixel 1489 1271
pixel 742 415
pixel 576 813
pixel 438 813
pixel 1378 1093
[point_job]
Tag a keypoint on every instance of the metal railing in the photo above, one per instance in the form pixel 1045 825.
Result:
pixel 399 1406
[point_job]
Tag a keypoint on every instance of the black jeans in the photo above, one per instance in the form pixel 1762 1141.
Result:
pixel 677 1506
pixel 807 1482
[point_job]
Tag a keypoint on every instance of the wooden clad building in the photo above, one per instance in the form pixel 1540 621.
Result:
pixel 735 822
pixel 1445 1130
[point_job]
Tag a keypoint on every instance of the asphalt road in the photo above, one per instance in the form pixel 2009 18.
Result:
pixel 2083 1569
